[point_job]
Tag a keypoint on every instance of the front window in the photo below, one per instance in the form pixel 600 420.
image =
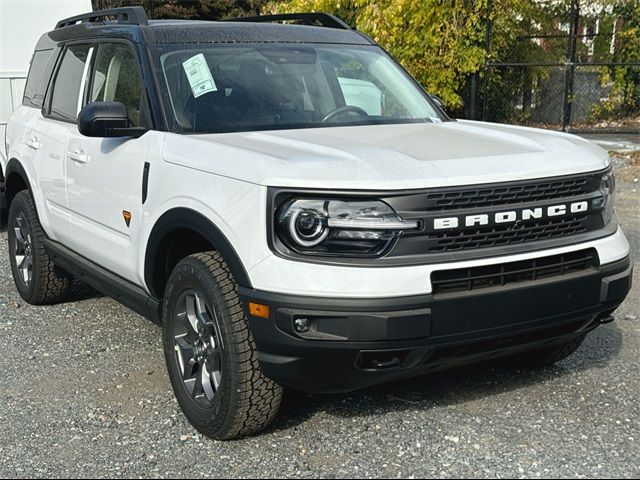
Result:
pixel 116 79
pixel 213 89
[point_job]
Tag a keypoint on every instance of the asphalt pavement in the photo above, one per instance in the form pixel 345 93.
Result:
pixel 84 393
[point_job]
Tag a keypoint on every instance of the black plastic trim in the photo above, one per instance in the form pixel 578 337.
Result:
pixel 311 19
pixel 145 182
pixel 106 282
pixel 414 335
pixel 125 15
pixel 192 220
pixel 531 271
pixel 14 167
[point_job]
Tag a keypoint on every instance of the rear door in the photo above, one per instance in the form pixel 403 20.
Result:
pixel 25 103
pixel 51 131
pixel 104 175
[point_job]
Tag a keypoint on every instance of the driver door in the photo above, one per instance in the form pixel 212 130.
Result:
pixel 104 175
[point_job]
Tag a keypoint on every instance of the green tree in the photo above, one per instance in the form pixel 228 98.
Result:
pixel 439 42
pixel 190 9
pixel 627 78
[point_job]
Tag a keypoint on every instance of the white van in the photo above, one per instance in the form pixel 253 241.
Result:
pixel 22 22
pixel 362 94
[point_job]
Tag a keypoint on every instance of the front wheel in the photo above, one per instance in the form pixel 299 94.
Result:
pixel 211 354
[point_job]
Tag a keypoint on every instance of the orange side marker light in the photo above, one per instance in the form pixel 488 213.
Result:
pixel 258 310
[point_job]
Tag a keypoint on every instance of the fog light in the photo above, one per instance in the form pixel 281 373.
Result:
pixel 302 325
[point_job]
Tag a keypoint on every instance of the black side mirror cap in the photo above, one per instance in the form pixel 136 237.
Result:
pixel 106 120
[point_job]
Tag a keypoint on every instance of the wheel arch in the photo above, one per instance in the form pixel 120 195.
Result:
pixel 3 164
pixel 181 232
pixel 16 180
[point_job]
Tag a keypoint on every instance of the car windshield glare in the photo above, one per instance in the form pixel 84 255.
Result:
pixel 222 88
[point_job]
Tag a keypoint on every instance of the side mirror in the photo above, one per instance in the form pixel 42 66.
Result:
pixel 106 120
pixel 438 101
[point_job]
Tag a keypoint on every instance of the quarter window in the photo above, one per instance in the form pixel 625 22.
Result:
pixel 117 79
pixel 39 75
pixel 66 91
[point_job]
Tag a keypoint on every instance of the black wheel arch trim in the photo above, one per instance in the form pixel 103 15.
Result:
pixel 179 218
pixel 2 176
pixel 14 168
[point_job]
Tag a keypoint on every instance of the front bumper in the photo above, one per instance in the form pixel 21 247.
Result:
pixel 356 343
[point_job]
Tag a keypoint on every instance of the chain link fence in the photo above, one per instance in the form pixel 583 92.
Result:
pixel 574 84
pixel 538 95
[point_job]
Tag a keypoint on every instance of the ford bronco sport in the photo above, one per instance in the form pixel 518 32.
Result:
pixel 297 211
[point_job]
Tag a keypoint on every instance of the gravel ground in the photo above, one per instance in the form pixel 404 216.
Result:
pixel 84 393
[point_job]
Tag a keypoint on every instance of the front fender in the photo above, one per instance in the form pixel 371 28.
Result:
pixel 179 218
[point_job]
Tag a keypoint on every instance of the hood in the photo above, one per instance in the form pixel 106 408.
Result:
pixel 387 157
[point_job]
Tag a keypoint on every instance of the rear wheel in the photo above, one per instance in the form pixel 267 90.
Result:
pixel 548 356
pixel 37 279
pixel 211 354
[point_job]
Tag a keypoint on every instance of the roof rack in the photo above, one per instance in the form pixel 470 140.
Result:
pixel 317 19
pixel 125 16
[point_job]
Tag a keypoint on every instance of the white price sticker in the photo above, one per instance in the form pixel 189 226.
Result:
pixel 199 75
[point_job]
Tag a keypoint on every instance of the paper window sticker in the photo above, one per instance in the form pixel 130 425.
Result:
pixel 199 76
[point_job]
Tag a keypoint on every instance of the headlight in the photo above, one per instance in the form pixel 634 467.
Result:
pixel 608 199
pixel 339 227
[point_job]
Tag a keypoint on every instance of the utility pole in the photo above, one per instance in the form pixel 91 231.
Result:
pixel 488 45
pixel 473 96
pixel 570 69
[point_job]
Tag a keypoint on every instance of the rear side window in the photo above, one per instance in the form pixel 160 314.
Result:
pixel 39 74
pixel 66 89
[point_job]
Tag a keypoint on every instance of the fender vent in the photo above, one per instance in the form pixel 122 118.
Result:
pixel 478 278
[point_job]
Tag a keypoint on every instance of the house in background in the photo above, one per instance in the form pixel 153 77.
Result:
pixel 22 22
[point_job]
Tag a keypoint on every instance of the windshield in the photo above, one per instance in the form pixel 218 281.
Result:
pixel 213 89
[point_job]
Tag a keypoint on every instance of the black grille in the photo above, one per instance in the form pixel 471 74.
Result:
pixel 477 278
pixel 513 194
pixel 496 236
pixel 459 205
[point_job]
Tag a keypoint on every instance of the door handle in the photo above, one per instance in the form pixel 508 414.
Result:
pixel 78 156
pixel 33 143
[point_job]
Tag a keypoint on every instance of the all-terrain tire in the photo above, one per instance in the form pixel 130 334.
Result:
pixel 46 284
pixel 245 401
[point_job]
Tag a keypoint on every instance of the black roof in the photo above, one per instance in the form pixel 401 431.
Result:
pixel 241 32
pixel 252 30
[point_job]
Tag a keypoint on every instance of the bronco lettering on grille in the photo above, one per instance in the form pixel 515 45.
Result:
pixel 511 216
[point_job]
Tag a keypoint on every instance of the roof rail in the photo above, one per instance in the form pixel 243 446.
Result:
pixel 125 15
pixel 318 19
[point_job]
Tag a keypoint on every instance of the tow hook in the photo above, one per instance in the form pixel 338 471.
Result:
pixel 606 320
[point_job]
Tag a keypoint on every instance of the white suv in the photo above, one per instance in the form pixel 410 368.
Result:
pixel 297 211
